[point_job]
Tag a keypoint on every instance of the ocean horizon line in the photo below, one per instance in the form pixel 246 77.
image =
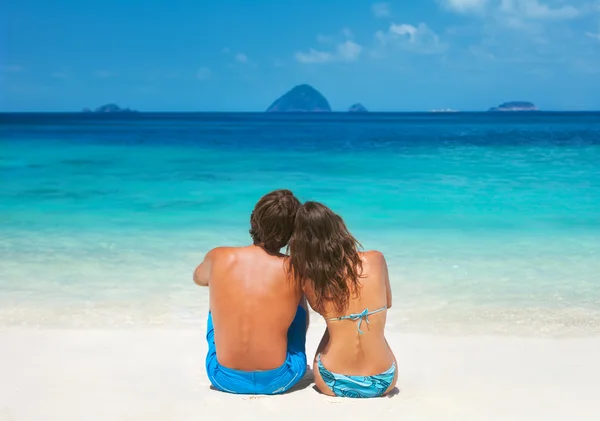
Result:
pixel 304 113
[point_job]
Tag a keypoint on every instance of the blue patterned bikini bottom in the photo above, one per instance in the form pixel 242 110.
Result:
pixel 357 386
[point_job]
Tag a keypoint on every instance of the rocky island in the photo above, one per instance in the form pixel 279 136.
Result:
pixel 515 106
pixel 357 108
pixel 301 98
pixel 109 108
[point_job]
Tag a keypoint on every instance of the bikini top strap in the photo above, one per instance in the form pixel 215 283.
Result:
pixel 363 315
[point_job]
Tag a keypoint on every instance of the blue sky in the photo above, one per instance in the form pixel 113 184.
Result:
pixel 197 55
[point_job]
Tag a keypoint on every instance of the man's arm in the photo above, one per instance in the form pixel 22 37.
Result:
pixel 202 272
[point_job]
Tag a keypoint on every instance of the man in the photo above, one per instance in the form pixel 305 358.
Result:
pixel 258 317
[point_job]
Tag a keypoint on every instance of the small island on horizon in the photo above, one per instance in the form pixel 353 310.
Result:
pixel 306 99
pixel 357 108
pixel 108 108
pixel 301 98
pixel 515 106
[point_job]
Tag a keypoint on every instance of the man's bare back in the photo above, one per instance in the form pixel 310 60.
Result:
pixel 252 302
pixel 256 332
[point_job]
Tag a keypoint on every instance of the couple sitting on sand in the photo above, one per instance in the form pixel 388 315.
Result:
pixel 258 314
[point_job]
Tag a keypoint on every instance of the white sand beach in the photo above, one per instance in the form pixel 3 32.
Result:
pixel 158 374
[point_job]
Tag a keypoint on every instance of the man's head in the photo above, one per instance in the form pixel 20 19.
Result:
pixel 272 220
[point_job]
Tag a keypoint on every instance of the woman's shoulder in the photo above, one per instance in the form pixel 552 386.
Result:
pixel 373 260
pixel 373 256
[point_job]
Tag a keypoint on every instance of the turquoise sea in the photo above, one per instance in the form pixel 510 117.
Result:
pixel 489 222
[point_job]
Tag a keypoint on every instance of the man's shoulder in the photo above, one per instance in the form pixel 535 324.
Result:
pixel 226 252
pixel 223 251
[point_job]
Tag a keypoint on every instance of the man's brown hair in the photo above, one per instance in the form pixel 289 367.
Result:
pixel 272 220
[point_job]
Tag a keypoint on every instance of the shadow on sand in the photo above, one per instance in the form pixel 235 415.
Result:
pixel 306 381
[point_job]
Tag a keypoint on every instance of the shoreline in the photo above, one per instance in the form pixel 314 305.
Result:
pixel 158 374
pixel 169 314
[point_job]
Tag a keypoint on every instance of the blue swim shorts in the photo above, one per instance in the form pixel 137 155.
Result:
pixel 268 382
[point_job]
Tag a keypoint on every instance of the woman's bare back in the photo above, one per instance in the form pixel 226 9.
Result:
pixel 343 348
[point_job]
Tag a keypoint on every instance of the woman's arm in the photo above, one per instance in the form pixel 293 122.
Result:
pixel 386 278
pixel 323 344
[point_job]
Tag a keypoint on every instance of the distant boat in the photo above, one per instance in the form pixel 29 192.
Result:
pixel 444 110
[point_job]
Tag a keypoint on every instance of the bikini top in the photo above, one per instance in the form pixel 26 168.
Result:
pixel 363 315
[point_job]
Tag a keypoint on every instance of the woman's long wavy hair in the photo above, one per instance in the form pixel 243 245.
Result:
pixel 324 253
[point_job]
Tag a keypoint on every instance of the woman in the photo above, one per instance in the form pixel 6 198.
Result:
pixel 351 290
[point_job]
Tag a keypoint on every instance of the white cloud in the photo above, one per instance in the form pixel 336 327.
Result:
pixel 203 73
pixel 347 51
pixel 313 56
pixel 465 6
pixel 381 10
pixel 419 39
pixel 520 24
pixel 481 53
pixel 531 34
pixel 404 29
pixel 346 33
pixel 534 10
pixel 241 58
pixel 595 36
pixel 103 74
pixel 515 13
